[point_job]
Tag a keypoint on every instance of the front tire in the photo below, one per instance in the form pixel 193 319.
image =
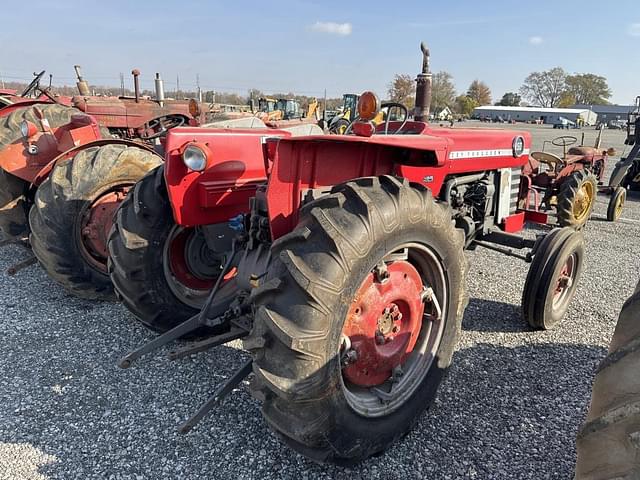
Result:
pixel 323 400
pixel 150 275
pixel 553 278
pixel 73 212
pixel 616 203
pixel 576 199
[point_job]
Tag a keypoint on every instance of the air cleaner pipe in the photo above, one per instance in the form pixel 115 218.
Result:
pixel 136 83
pixel 159 89
pixel 424 82
pixel 454 182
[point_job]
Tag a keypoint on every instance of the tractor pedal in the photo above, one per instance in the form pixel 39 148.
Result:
pixel 224 390
pixel 207 343
pixel 13 269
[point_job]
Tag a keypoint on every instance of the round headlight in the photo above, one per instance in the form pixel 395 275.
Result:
pixel 24 129
pixel 194 158
pixel 518 146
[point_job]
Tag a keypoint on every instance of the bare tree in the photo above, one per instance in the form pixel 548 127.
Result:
pixel 545 89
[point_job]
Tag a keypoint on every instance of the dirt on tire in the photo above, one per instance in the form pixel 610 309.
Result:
pixel 608 443
pixel 63 198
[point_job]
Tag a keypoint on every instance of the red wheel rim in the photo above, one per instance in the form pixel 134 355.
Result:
pixel 179 264
pixel 96 222
pixel 383 323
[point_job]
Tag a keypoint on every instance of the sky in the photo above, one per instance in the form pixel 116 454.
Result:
pixel 307 46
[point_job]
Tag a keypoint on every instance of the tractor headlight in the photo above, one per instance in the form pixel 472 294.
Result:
pixel 518 146
pixel 194 158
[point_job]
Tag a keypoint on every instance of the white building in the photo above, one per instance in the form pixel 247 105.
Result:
pixel 532 114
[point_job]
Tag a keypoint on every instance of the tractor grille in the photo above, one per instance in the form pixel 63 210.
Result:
pixel 515 190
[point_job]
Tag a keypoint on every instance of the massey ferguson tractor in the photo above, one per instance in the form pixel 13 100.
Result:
pixel 64 170
pixel 567 185
pixel 344 274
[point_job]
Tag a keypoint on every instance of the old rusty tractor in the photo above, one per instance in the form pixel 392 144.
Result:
pixel 63 173
pixel 346 272
pixel 566 186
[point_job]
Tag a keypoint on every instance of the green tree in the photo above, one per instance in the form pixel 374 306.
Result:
pixel 402 90
pixel 443 92
pixel 544 89
pixel 465 105
pixel 480 92
pixel 588 89
pixel 510 99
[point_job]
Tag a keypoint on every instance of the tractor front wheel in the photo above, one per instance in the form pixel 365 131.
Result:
pixel 161 271
pixel 358 318
pixel 73 213
pixel 576 199
pixel 553 278
pixel 616 202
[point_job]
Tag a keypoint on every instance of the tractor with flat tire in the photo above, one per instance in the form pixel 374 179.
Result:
pixel 345 274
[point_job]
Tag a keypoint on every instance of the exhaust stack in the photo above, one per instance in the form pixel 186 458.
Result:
pixel 159 90
pixel 423 88
pixel 83 86
pixel 136 83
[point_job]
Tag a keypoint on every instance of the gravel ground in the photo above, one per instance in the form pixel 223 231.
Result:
pixel 510 407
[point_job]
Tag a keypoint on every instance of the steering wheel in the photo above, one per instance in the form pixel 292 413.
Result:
pixel 405 116
pixel 547 158
pixel 35 84
pixel 162 125
pixel 564 141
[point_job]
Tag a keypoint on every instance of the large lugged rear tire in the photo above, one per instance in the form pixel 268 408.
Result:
pixel 73 211
pixel 13 205
pixel 576 199
pixel 157 287
pixel 608 443
pixel 56 115
pixel 321 397
pixel 13 190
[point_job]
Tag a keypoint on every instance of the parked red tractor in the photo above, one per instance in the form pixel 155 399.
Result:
pixel 346 275
pixel 567 185
pixel 66 169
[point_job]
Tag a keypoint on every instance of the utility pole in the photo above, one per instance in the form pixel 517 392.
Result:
pixel 177 87
pixel 198 85
pixel 122 84
pixel 2 80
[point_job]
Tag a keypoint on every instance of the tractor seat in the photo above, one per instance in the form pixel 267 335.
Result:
pixel 544 179
pixel 583 151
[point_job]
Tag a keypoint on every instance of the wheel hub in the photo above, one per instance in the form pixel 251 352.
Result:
pixel 383 324
pixel 583 201
pixel 95 225
pixel 565 281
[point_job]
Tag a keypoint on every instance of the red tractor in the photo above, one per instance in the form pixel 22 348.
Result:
pixel 64 170
pixel 346 272
pixel 567 185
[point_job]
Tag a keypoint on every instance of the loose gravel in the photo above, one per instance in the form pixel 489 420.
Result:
pixel 510 407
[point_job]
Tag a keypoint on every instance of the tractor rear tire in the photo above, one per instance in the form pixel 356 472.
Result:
pixel 544 299
pixel 616 202
pixel 67 199
pixel 13 190
pixel 608 444
pixel 56 115
pixel 139 267
pixel 13 206
pixel 576 199
pixel 312 288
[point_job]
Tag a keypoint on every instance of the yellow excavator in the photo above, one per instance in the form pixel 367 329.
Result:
pixel 283 109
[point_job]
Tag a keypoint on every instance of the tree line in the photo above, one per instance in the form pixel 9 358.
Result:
pixel 549 88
